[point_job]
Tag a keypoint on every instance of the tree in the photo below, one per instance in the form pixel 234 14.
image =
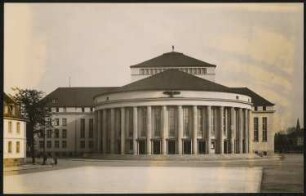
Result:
pixel 34 110
pixel 298 128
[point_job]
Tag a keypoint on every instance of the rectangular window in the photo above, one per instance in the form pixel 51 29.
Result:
pixel 82 134
pixel 187 116
pixel 41 144
pixel 214 121
pixel 129 121
pixel 64 122
pixel 117 123
pixel 64 133
pixel 90 133
pixel 49 144
pixel 56 133
pixel 9 147
pixel 82 144
pixel 83 109
pixel 90 144
pixel 64 144
pixel 142 121
pixel 201 116
pixel 156 121
pixel 255 108
pixel 10 127
pixel 172 121
pixel 56 144
pixel 49 133
pixel 56 122
pixel 264 108
pixel 255 129
pixel 264 129
pixel 18 127
pixel 57 109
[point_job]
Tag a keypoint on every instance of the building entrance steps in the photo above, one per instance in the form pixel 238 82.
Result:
pixel 205 157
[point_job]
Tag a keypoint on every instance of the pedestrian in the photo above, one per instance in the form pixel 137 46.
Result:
pixel 55 159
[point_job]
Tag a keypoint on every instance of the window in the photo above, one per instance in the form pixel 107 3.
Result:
pixel 142 121
pixel 172 121
pixel 82 134
pixel 264 108
pixel 90 133
pixel 56 122
pixel 82 144
pixel 57 109
pixel 9 147
pixel 18 127
pixel 141 72
pixel 117 123
pixel 64 144
pixel 129 121
pixel 49 144
pixel 64 133
pixel 17 147
pixel 56 133
pixel 264 129
pixel 41 144
pixel 255 108
pixel 91 109
pixel 56 144
pixel 200 121
pixel 255 129
pixel 156 120
pixel 10 127
pixel 187 115
pixel 64 121
pixel 83 109
pixel 90 144
pixel 49 133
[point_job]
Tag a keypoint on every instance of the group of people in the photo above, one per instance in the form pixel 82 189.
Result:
pixel 49 155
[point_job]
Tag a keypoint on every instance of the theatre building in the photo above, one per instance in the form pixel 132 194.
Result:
pixel 173 106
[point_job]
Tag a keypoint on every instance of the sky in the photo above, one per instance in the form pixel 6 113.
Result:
pixel 259 46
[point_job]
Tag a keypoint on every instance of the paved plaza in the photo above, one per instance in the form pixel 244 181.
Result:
pixel 131 176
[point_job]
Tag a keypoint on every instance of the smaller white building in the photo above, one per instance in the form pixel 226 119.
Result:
pixel 14 136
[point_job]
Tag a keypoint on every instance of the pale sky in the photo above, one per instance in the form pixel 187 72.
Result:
pixel 259 46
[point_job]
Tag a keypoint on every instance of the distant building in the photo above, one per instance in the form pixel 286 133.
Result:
pixel 173 106
pixel 14 136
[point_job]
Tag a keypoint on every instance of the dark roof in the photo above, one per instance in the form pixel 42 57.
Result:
pixel 8 99
pixel 256 99
pixel 172 79
pixel 173 59
pixel 75 96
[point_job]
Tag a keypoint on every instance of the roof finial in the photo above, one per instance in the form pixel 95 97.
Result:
pixel 172 48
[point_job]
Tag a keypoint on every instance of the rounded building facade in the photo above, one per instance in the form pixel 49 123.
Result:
pixel 172 113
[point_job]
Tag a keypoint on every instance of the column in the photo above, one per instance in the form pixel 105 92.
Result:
pixel 112 133
pixel 195 130
pixel 226 128
pixel 164 129
pixel 233 130
pixel 247 121
pixel 221 132
pixel 122 131
pixel 240 131
pixel 98 127
pixel 149 129
pixel 208 142
pixel 180 129
pixel 104 143
pixel 135 130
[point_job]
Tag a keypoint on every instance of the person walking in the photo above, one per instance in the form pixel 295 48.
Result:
pixel 45 157
pixel 54 158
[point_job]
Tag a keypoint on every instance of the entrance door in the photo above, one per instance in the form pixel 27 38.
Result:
pixel 201 146
pixel 187 147
pixel 171 147
pixel 142 146
pixel 156 147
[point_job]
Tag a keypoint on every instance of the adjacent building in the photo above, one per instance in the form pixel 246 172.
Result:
pixel 14 133
pixel 173 106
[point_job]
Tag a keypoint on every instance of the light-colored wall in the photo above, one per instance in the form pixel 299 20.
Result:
pixel 14 137
pixel 73 128
pixel 136 75
pixel 144 98
pixel 261 146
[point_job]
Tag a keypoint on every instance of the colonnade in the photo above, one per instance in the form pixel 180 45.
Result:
pixel 225 130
